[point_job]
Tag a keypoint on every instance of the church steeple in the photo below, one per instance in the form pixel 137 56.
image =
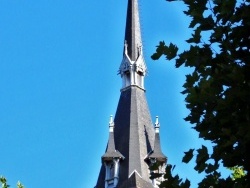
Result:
pixel 133 67
pixel 133 139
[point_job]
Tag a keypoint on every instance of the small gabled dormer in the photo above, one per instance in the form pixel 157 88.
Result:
pixel 111 159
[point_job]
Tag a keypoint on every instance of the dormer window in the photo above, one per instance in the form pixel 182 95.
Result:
pixel 109 175
pixel 112 173
pixel 112 170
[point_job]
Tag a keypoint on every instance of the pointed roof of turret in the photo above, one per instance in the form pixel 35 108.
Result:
pixel 111 152
pixel 133 31
pixel 156 153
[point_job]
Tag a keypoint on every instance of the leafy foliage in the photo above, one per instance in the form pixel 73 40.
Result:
pixel 238 172
pixel 188 156
pixel 173 181
pixel 3 181
pixel 218 90
pixel 4 184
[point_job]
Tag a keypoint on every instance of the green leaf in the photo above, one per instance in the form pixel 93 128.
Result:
pixel 201 159
pixel 3 181
pixel 188 156
pixel 186 184
pixel 196 37
pixel 202 154
pixel 156 56
pixel 200 167
pixel 237 172
pixel 171 51
pixel 179 62
pixel 193 23
pixel 211 168
pixel 217 34
pixel 19 185
pixel 159 51
pixel 207 23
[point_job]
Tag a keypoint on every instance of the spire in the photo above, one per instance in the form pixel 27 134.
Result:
pixel 133 67
pixel 133 30
pixel 157 153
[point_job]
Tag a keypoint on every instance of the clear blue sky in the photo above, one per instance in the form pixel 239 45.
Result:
pixel 59 85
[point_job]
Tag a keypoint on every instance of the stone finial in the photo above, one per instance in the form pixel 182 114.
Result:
pixel 111 124
pixel 157 125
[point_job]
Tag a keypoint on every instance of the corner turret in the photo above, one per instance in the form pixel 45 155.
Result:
pixel 111 159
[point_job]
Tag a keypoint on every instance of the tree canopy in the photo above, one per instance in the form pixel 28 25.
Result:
pixel 218 90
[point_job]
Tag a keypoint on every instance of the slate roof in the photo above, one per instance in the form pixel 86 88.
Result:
pixel 135 181
pixel 111 152
pixel 134 132
pixel 133 135
pixel 157 152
